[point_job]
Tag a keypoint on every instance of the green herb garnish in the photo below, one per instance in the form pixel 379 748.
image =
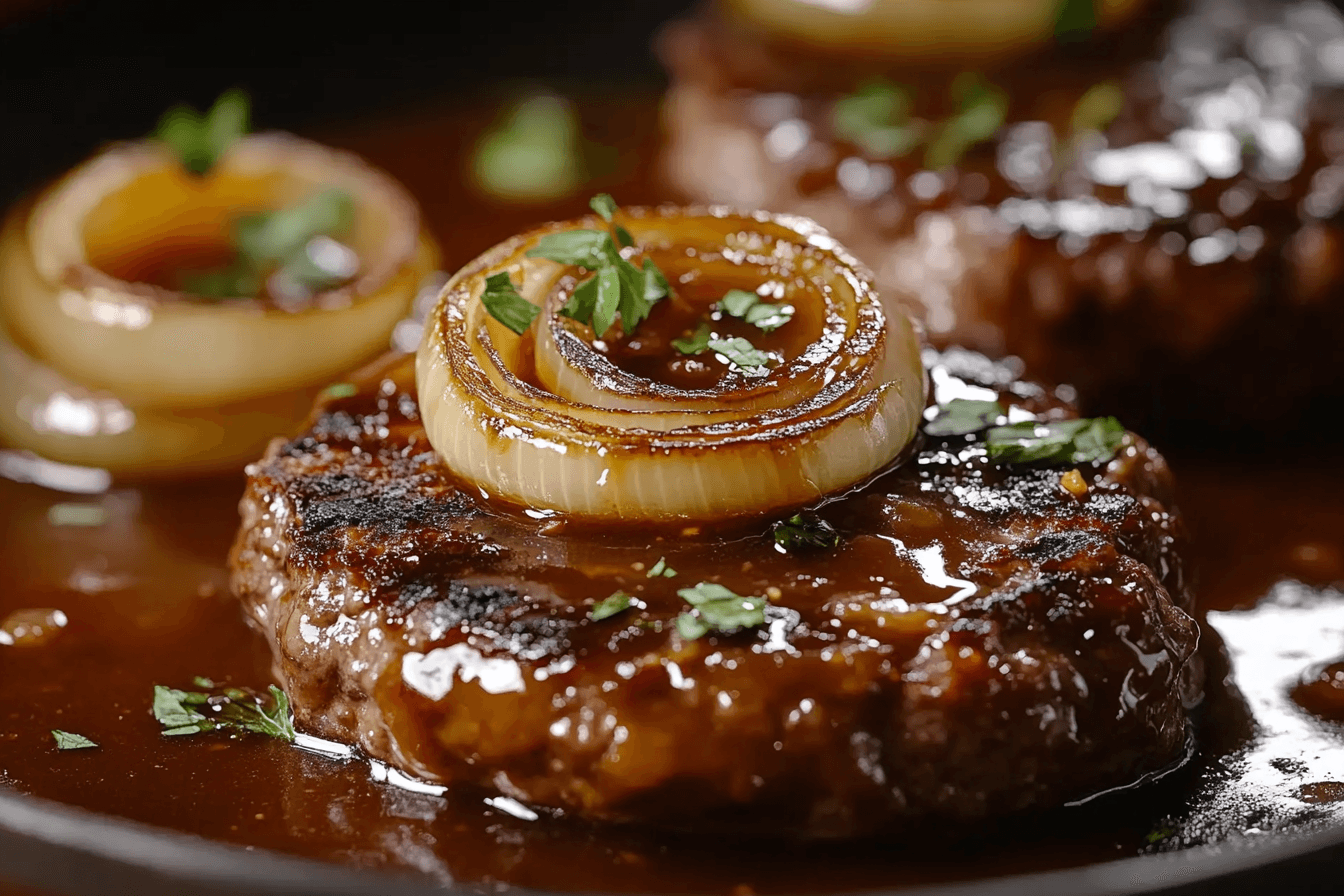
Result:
pixel 963 416
pixel 278 235
pixel 876 118
pixel 229 709
pixel 748 306
pixel 610 606
pixel 660 569
pixel 617 287
pixel 695 343
pixel 605 206
pixel 805 532
pixel 1065 441
pixel 736 351
pixel 68 741
pixel 506 305
pixel 294 243
pixel 981 109
pixel 717 609
pixel 199 140
pixel 335 390
pixel 84 515
pixel 534 153
pixel 741 354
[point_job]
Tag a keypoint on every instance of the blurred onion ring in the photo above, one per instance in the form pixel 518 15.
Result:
pixel 933 31
pixel 59 419
pixel 548 422
pixel 155 348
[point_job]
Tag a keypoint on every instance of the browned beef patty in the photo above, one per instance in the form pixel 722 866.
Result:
pixel 980 641
pixel 1182 268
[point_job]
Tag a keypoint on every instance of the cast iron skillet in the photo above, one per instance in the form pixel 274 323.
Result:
pixel 71 851
pixel 80 72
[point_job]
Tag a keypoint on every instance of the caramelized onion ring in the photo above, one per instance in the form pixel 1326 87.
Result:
pixel 546 421
pixel 934 30
pixel 62 420
pixel 156 348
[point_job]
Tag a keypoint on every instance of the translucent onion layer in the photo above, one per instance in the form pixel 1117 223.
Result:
pixel 548 422
pixel 154 348
pixel 59 419
pixel 938 30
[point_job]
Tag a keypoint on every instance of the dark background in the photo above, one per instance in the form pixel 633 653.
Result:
pixel 76 74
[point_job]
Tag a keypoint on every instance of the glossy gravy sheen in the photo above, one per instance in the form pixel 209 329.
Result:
pixel 144 597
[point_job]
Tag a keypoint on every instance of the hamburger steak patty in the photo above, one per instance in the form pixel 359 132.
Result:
pixel 980 641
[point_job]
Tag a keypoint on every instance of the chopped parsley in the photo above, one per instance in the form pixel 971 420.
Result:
pixel 336 390
pixel 876 118
pixel 199 140
pixel 981 109
pixel 291 249
pixel 736 352
pixel 749 307
pixel 505 305
pixel 963 416
pixel 1089 440
pixel 619 602
pixel 717 609
pixel 617 287
pixel 605 206
pixel 803 531
pixel 533 153
pixel 65 740
pixel 229 709
pixel 695 343
pixel 660 569
pixel 741 354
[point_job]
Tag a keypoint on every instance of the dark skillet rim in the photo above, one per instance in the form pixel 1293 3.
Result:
pixel 81 853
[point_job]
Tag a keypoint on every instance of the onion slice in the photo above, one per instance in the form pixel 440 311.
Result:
pixel 549 422
pixel 51 415
pixel 932 30
pixel 155 348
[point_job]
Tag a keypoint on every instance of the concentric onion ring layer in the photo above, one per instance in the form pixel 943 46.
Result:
pixel 546 421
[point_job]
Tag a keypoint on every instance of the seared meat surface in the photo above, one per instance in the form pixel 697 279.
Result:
pixel 982 640
pixel 1175 256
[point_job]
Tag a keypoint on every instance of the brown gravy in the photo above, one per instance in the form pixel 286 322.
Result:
pixel 145 602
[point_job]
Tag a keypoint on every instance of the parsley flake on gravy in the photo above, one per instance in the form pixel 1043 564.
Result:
pixel 1090 440
pixel 695 343
pixel 749 306
pixel 717 609
pixel 618 602
pixel 228 709
pixel 964 416
pixel 742 355
pixel 803 531
pixel 660 569
pixel 617 287
pixel 506 305
pixel 66 740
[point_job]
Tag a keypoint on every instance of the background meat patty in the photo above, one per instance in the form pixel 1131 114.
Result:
pixel 980 641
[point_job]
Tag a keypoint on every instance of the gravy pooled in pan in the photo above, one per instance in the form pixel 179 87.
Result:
pixel 987 615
